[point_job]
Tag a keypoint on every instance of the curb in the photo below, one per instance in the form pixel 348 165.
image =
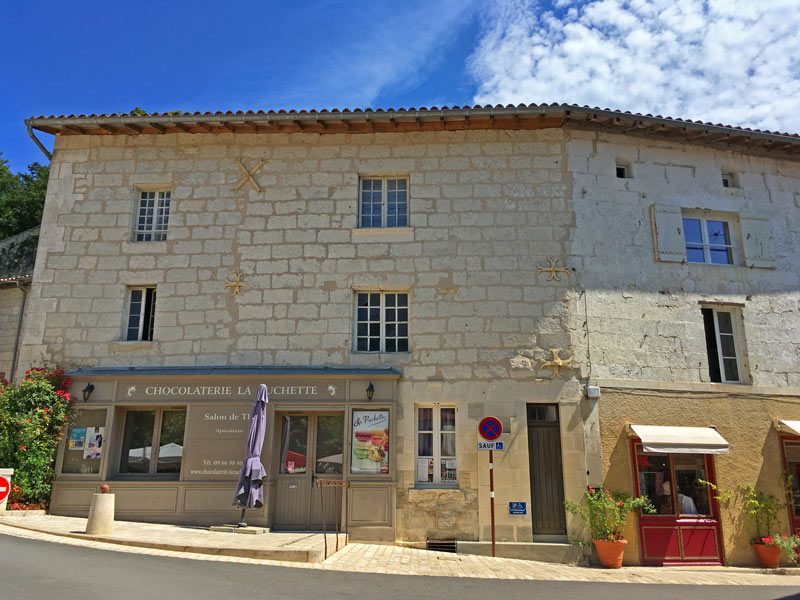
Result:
pixel 298 556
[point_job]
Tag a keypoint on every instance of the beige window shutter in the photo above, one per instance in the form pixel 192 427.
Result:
pixel 757 242
pixel 670 244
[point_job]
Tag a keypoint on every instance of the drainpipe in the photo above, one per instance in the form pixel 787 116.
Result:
pixel 15 355
pixel 39 143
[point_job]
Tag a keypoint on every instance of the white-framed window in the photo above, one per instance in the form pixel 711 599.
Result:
pixel 728 179
pixel 383 202
pixel 623 171
pixel 381 322
pixel 723 344
pixel 708 240
pixel 436 446
pixel 141 314
pixel 152 218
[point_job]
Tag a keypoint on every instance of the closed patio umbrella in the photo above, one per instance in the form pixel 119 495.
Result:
pixel 250 490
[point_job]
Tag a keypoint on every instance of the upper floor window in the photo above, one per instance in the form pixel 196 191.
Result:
pixel 384 202
pixel 729 179
pixel 381 322
pixel 141 314
pixel 708 240
pixel 723 345
pixel 153 217
pixel 623 171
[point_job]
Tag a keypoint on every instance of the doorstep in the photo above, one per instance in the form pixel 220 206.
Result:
pixel 549 552
pixel 303 547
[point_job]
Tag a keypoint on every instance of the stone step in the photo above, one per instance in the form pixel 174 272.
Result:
pixel 550 552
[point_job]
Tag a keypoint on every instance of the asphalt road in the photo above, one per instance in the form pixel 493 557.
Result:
pixel 37 570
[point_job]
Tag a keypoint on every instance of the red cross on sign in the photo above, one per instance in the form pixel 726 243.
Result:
pixel 5 488
pixel 490 428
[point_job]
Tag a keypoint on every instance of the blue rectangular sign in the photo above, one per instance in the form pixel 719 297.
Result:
pixel 518 508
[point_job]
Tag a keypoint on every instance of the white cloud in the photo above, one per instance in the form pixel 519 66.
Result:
pixel 729 61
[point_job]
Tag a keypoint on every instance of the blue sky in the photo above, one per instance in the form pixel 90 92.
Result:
pixel 729 61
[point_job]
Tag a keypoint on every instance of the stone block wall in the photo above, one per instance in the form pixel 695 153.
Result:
pixel 10 303
pixel 642 316
pixel 485 208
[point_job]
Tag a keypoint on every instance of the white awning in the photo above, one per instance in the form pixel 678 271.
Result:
pixel 792 427
pixel 680 440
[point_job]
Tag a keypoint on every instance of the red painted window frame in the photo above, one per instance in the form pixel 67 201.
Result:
pixel 793 519
pixel 667 521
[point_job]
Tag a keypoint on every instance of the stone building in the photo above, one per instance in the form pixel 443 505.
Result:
pixel 396 276
pixel 17 255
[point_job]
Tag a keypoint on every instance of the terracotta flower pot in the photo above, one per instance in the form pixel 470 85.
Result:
pixel 769 557
pixel 610 553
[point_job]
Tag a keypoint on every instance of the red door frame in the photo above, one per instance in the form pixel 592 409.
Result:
pixel 794 520
pixel 678 523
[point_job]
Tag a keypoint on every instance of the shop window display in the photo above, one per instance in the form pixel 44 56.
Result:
pixel 672 482
pixel 85 442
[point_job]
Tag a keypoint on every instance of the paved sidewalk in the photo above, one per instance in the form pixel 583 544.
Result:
pixel 373 558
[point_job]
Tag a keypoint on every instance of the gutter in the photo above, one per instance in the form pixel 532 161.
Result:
pixel 38 142
pixel 15 354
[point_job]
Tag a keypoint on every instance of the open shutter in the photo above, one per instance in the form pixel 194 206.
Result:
pixel 668 232
pixel 757 243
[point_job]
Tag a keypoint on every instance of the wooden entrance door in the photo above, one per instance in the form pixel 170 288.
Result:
pixel 547 478
pixel 311 448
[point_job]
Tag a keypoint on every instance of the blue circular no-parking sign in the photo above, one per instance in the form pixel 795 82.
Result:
pixel 490 428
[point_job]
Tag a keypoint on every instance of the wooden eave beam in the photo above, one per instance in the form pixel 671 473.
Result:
pixel 159 128
pixel 249 126
pixel 183 127
pixel 137 129
pixel 203 127
pixel 108 128
pixel 75 129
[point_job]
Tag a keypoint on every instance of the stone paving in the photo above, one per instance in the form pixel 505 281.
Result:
pixel 396 560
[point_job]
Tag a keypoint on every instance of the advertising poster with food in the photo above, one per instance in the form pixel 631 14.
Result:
pixel 370 442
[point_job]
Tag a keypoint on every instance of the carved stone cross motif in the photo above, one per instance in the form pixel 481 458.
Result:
pixel 552 270
pixel 557 363
pixel 247 176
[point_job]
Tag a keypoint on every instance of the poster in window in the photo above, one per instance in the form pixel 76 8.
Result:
pixel 370 442
pixel 93 443
pixel 76 438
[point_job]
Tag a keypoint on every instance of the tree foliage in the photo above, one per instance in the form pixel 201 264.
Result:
pixel 21 197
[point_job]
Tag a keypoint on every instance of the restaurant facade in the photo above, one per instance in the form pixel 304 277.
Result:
pixel 395 277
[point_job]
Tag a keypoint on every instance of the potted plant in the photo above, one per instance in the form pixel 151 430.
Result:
pixel 762 509
pixel 605 513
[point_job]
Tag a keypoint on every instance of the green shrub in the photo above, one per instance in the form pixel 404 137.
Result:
pixel 32 419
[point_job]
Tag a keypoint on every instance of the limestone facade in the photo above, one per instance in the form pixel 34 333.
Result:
pixel 489 212
pixel 487 208
pixel 644 341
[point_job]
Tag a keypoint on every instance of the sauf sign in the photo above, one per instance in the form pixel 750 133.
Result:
pixel 490 428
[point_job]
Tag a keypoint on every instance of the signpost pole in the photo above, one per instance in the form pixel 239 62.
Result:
pixel 491 498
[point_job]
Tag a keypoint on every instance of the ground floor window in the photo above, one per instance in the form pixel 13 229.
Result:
pixel 85 442
pixel 436 445
pixel 791 451
pixel 152 442
pixel 672 482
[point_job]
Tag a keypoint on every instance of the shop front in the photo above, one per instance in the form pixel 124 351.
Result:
pixel 670 467
pixel 790 451
pixel 170 443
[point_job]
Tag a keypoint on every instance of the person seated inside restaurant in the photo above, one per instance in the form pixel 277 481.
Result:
pixel 687 504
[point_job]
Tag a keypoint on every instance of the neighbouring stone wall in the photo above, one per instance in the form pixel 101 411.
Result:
pixel 744 420
pixel 10 303
pixel 642 318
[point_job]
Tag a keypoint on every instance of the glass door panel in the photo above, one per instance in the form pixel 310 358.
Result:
pixel 294 444
pixel 329 450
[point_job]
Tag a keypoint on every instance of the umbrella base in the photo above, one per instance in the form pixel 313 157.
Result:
pixel 235 528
